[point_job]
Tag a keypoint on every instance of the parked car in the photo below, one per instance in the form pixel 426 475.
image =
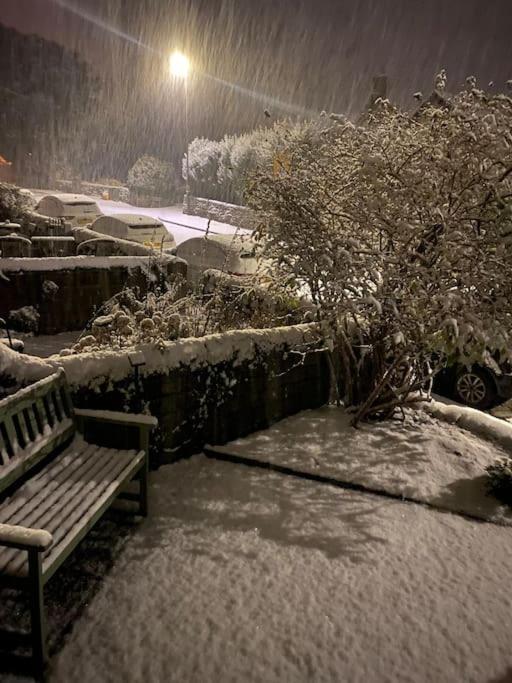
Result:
pixel 480 386
pixel 76 209
pixel 136 228
pixel 229 253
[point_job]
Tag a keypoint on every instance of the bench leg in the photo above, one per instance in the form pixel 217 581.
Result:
pixel 144 473
pixel 38 631
pixel 143 484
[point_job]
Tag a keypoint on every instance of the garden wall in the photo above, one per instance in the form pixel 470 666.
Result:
pixel 208 390
pixel 240 216
pixel 81 284
pixel 116 193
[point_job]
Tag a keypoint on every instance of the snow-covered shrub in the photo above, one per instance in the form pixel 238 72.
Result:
pixel 203 164
pixel 13 202
pixel 153 176
pixel 50 289
pixel 219 169
pixel 225 303
pixel 499 483
pixel 25 319
pixel 238 302
pixel 129 321
pixel 401 232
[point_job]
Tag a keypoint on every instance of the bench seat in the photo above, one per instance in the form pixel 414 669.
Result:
pixel 65 499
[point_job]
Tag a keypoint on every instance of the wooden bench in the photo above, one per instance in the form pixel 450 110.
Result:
pixel 54 485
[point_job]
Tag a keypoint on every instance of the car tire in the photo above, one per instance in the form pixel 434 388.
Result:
pixel 475 388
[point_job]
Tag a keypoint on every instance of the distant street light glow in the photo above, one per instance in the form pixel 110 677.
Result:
pixel 179 65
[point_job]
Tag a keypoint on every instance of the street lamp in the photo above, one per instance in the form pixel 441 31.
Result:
pixel 179 66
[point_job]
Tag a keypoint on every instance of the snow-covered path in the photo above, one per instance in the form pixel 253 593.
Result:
pixel 244 575
pixel 420 457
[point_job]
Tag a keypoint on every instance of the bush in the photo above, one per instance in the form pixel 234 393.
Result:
pixel 220 169
pixel 401 232
pixel 226 303
pixel 13 202
pixel 154 177
pixel 24 319
pixel 499 483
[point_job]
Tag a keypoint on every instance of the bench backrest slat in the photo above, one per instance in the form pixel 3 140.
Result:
pixel 33 422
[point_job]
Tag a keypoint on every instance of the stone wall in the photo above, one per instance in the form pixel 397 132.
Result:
pixel 239 216
pixel 79 286
pixel 208 390
pixel 116 193
pixel 216 403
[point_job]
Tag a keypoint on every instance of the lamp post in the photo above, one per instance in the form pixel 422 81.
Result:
pixel 179 66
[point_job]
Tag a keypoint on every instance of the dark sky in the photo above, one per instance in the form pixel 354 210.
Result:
pixel 309 54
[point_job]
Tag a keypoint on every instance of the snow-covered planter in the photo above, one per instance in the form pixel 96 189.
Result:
pixel 95 368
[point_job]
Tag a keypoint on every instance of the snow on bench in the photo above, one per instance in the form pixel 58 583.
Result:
pixel 47 514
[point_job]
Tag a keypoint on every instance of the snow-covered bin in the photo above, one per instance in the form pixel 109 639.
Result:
pixel 45 246
pixel 230 254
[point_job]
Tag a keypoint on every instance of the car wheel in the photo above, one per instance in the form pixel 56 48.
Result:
pixel 475 388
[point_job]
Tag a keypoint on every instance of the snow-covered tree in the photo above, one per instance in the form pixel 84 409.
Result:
pixel 219 169
pixel 13 202
pixel 203 161
pixel 401 232
pixel 152 176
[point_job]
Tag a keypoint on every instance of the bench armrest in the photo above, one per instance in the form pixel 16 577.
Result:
pixel 118 418
pixel 144 423
pixel 24 539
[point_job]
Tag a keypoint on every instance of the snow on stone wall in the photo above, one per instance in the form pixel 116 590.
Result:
pixel 117 193
pixel 53 263
pixel 235 346
pixel 206 390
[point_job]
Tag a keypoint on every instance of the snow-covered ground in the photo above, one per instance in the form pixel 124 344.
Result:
pixel 243 574
pixel 246 575
pixel 421 458
pixel 45 345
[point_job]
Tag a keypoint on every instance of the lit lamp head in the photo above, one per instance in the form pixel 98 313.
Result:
pixel 179 65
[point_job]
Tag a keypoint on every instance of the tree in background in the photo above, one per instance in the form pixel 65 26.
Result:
pixel 204 159
pixel 153 177
pixel 47 98
pixel 13 203
pixel 400 231
pixel 219 169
